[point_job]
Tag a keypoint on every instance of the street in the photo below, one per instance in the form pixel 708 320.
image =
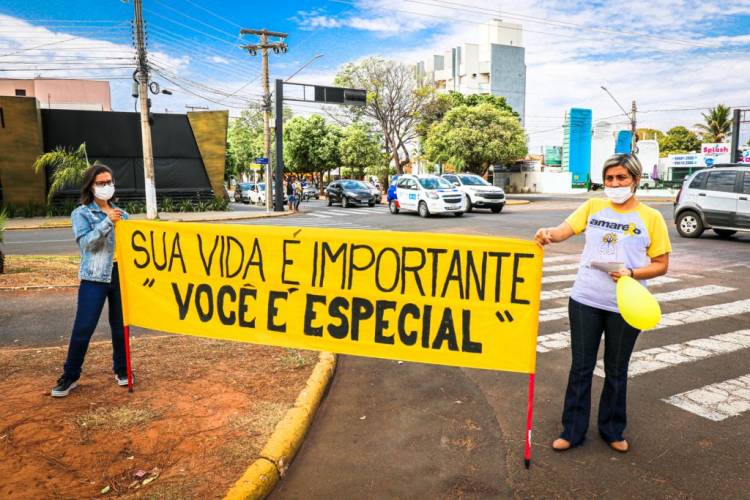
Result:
pixel 410 430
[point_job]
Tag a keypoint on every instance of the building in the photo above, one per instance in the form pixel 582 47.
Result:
pixel 189 151
pixel 56 93
pixel 496 65
pixel 577 145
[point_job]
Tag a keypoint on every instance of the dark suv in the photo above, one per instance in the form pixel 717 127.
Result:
pixel 349 192
pixel 715 198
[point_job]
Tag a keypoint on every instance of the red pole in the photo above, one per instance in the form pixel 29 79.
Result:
pixel 127 358
pixel 529 412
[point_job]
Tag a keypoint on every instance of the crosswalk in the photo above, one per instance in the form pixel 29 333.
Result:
pixel 325 217
pixel 711 336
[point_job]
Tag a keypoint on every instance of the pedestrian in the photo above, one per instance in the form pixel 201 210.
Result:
pixel 618 229
pixel 290 194
pixel 94 221
pixel 297 194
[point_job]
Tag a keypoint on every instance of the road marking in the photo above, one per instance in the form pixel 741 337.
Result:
pixel 561 340
pixel 339 212
pixel 683 294
pixel 718 401
pixel 563 258
pixel 560 267
pixel 321 216
pixel 565 292
pixel 657 358
pixel 560 278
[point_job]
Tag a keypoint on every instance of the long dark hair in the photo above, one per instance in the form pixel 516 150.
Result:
pixel 87 193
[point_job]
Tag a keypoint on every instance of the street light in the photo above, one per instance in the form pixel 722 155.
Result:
pixel 315 58
pixel 631 118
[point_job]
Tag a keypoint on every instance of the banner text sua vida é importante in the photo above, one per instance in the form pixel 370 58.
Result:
pixel 436 298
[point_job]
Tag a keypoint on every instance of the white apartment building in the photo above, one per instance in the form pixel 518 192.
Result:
pixel 495 65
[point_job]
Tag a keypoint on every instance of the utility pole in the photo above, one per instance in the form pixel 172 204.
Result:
pixel 142 78
pixel 276 47
pixel 633 128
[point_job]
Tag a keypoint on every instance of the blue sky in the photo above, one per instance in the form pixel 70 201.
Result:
pixel 672 55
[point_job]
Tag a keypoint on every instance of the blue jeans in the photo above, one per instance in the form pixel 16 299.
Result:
pixel 586 327
pixel 91 296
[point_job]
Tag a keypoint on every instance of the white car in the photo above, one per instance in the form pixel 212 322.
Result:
pixel 479 192
pixel 427 194
pixel 258 194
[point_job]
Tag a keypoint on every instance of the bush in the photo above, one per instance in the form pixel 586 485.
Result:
pixel 135 207
pixel 219 204
pixel 185 206
pixel 166 205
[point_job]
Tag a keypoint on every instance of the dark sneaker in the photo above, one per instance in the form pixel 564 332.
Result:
pixel 122 378
pixel 64 385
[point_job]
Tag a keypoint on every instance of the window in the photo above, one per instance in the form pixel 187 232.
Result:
pixel 20 92
pixel 403 183
pixel 722 181
pixel 450 178
pixel 699 180
pixel 746 183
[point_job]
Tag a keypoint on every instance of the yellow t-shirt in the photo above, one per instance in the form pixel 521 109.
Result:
pixel 632 237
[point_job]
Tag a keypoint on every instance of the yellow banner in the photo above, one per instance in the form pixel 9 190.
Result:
pixel 456 300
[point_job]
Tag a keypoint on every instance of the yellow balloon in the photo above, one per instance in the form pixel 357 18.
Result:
pixel 638 307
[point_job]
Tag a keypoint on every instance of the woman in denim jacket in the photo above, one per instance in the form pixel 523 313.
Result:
pixel 93 226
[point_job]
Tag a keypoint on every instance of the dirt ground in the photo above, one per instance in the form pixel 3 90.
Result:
pixel 40 270
pixel 200 412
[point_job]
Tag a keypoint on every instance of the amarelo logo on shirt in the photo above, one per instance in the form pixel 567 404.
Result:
pixel 628 229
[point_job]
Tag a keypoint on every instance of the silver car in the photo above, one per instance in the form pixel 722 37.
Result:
pixel 716 198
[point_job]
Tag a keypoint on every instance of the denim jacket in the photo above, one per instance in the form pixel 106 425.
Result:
pixel 95 235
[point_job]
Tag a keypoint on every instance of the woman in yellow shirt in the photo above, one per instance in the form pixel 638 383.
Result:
pixel 618 229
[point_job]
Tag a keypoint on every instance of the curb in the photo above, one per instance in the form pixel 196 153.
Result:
pixel 263 474
pixel 34 287
pixel 516 202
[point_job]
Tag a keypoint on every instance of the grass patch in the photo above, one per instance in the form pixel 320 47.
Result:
pixel 262 418
pixel 115 418
pixel 295 358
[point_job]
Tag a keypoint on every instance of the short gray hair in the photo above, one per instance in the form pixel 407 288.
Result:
pixel 630 161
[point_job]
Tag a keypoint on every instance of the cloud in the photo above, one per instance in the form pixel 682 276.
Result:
pixel 219 60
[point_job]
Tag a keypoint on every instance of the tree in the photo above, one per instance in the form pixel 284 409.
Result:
pixel 245 140
pixel 68 167
pixel 649 134
pixel 436 108
pixel 360 149
pixel 311 145
pixel 678 140
pixel 718 124
pixel 393 104
pixel 474 137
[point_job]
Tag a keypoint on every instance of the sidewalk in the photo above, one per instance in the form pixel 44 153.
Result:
pixel 64 221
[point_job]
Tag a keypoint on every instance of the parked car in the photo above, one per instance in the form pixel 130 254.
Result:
pixel 242 192
pixel 310 191
pixel 479 193
pixel 258 196
pixel 349 192
pixel 427 194
pixel 716 198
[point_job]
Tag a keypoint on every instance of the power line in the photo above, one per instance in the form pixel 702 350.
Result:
pixel 564 24
pixel 193 18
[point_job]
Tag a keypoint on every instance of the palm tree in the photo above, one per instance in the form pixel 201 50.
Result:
pixel 3 219
pixel 718 124
pixel 68 167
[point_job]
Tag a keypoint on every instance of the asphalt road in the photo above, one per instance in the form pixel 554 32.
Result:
pixel 389 429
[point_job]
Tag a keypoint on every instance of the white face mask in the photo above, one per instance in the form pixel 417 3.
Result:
pixel 618 195
pixel 104 193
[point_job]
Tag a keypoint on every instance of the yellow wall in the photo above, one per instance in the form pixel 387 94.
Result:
pixel 210 131
pixel 20 145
